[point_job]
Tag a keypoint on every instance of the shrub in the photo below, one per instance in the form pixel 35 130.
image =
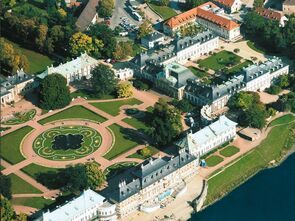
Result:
pixel 145 152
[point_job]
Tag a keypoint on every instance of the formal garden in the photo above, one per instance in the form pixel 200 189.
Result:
pixel 67 142
pixel 20 117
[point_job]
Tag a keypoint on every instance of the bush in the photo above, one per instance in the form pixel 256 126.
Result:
pixel 274 89
pixel 145 152
pixel 141 85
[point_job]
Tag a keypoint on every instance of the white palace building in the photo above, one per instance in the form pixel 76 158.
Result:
pixel 210 137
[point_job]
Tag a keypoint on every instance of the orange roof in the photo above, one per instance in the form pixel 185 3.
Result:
pixel 270 14
pixel 75 4
pixel 187 16
pixel 228 3
pixel 182 18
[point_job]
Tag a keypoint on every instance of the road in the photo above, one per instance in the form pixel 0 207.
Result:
pixel 120 11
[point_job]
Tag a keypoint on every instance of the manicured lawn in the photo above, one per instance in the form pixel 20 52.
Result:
pixel 139 156
pixel 229 151
pixel 75 112
pixel 10 145
pixel 35 202
pixel 239 67
pixel 137 123
pixel 283 120
pixel 20 118
pixel 37 62
pixel 18 185
pixel 124 140
pixel 255 47
pixel 219 60
pixel 113 107
pixel 164 11
pixel 88 95
pixel 213 160
pixel 272 148
pixel 33 170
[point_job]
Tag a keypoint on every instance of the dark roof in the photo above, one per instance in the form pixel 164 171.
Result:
pixel 153 36
pixel 150 171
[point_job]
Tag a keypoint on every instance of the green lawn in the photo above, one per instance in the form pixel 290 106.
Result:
pixel 90 96
pixel 139 156
pixel 213 160
pixel 197 72
pixel 283 120
pixel 164 11
pixel 229 151
pixel 124 140
pixel 33 170
pixel 255 47
pixel 272 148
pixel 113 107
pixel 239 67
pixel 219 60
pixel 37 62
pixel 19 186
pixel 75 112
pixel 35 202
pixel 137 123
pixel 2 167
pixel 10 145
pixel 20 118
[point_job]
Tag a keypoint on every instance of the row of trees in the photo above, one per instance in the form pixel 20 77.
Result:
pixel 11 60
pixel 268 34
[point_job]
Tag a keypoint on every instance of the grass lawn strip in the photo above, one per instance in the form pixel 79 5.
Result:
pixel 42 145
pixel 20 118
pixel 33 170
pixel 229 151
pixel 255 47
pixel 283 120
pixel 139 156
pixel 34 202
pixel 136 123
pixel 113 107
pixel 164 11
pixel 19 186
pixel 213 62
pixel 239 67
pixel 89 96
pixel 74 112
pixel 11 143
pixel 213 160
pixel 272 148
pixel 37 62
pixel 121 144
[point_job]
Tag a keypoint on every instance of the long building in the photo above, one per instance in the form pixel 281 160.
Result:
pixel 208 15
pixel 145 186
pixel 205 140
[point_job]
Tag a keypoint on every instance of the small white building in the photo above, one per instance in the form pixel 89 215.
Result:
pixel 210 137
pixel 124 74
pixel 152 40
pixel 229 6
pixel 88 206
pixel 73 70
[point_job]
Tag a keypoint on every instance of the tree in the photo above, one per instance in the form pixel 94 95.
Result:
pixel 103 80
pixel 193 3
pixel 95 176
pixel 164 2
pixel 5 186
pixel 183 105
pixel 145 152
pixel 41 36
pixel 144 29
pixel 123 50
pixel 21 217
pixel 255 116
pixel 80 43
pixel 75 178
pixel 243 100
pixel 283 81
pixel 105 8
pixel 6 210
pixel 165 124
pixel 54 92
pixel 124 90
pixel 274 89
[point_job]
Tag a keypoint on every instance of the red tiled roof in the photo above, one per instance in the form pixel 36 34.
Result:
pixel 228 3
pixel 270 14
pixel 185 17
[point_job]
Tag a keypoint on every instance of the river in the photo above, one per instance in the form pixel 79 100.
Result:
pixel 268 196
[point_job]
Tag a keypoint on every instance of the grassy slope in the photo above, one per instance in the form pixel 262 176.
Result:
pixel 19 186
pixel 36 202
pixel 33 170
pixel 75 112
pixel 113 107
pixel 10 145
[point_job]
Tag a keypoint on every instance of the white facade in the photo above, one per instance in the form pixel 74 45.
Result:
pixel 88 206
pixel 212 136
pixel 152 40
pixel 124 74
pixel 75 69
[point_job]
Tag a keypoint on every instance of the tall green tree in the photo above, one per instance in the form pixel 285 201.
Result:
pixel 54 92
pixel 165 124
pixel 5 186
pixel 105 8
pixel 144 29
pixel 103 80
pixel 75 178
pixel 95 176
pixel 6 209
pixel 193 3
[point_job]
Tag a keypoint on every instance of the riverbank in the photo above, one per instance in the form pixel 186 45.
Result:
pixel 274 148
